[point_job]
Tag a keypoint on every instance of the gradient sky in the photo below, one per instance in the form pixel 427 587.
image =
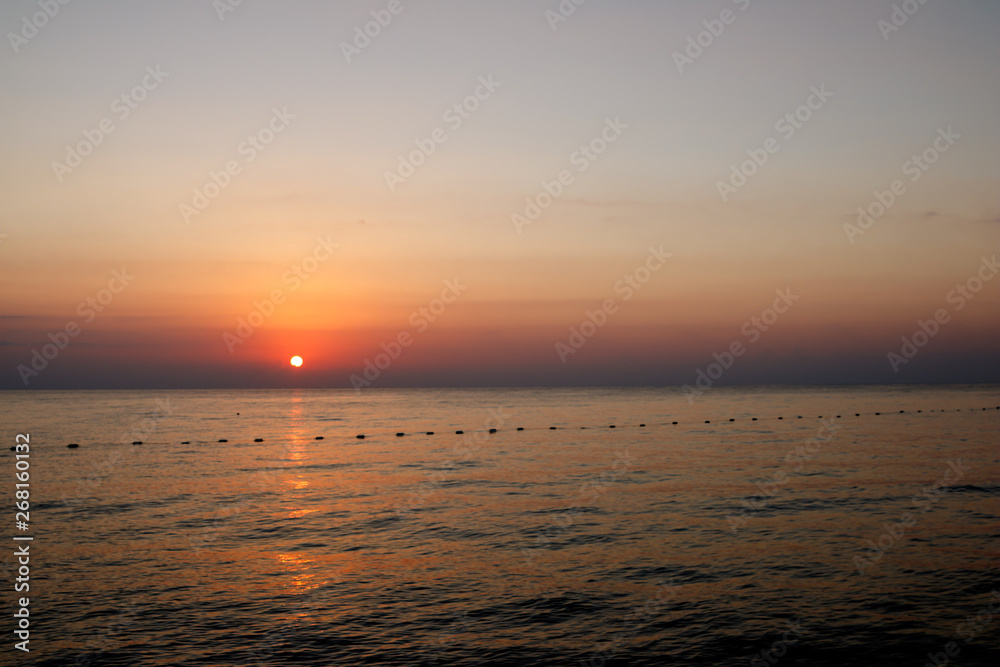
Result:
pixel 323 176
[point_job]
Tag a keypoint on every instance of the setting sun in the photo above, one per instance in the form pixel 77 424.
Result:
pixel 296 361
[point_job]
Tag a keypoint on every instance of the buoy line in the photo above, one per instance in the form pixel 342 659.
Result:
pixel 400 434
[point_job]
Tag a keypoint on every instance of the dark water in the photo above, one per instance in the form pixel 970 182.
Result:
pixel 850 540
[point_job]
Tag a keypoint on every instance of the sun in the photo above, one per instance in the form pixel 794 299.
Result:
pixel 296 361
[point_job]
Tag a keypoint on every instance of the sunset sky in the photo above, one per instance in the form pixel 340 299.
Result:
pixel 300 120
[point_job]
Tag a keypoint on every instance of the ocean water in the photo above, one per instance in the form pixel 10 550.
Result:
pixel 830 536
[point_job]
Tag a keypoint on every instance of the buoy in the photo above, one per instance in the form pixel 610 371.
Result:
pixel 878 413
pixel 731 419
pixel 642 426
pixel 237 413
pixel 493 430
pixel 137 442
pixel 780 417
pixel 552 428
pixel 400 435
pixel 754 419
pixel 520 428
pixel 902 411
pixel 857 414
pixel 838 416
pixel 583 428
pixel 72 445
pixel 459 432
pixel 675 423
pixel 360 436
pixel 707 421
pixel 186 442
pixel 319 437
pixel 13 449
pixel 800 416
pixel 612 426
pixel 258 439
pixel 430 432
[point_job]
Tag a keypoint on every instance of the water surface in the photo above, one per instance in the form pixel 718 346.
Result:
pixel 685 544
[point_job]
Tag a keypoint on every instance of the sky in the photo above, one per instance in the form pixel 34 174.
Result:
pixel 471 193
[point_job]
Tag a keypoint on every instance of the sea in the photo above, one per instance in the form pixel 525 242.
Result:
pixel 847 525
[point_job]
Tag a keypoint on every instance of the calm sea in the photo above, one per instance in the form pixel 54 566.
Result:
pixel 830 536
